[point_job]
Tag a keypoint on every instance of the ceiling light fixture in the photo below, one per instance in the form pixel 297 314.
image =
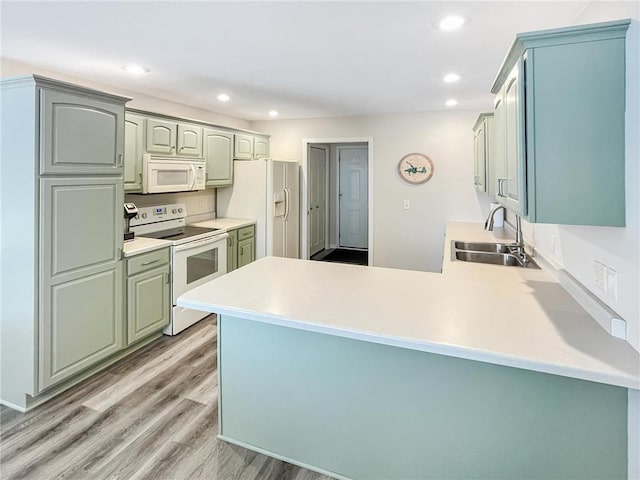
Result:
pixel 273 113
pixel 452 102
pixel 452 22
pixel 451 78
pixel 136 69
pixel 223 97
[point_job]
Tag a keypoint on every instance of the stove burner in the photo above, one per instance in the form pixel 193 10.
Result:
pixel 179 233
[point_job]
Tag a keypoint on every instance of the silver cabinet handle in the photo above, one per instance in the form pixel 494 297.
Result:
pixel 501 187
pixel 119 159
pixel 166 277
pixel 144 264
pixel 140 178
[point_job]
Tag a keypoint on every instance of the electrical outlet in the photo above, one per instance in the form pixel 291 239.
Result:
pixel 611 283
pixel 201 206
pixel 554 244
pixel 407 204
pixel 600 275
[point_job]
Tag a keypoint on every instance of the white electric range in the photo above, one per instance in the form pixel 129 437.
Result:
pixel 198 254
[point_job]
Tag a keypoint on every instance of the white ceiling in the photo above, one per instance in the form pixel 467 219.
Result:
pixel 304 59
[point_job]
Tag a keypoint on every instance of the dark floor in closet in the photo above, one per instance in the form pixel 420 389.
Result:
pixel 342 255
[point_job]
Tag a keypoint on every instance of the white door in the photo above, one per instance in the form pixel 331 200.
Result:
pixel 353 197
pixel 317 198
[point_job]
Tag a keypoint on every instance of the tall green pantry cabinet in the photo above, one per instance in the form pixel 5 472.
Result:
pixel 62 196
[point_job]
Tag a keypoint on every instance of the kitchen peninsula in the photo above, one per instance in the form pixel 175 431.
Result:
pixel 364 372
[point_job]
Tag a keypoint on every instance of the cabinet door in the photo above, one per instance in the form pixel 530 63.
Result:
pixel 513 137
pixel 161 136
pixel 498 161
pixel 218 152
pixel 246 251
pixel 189 140
pixel 80 323
pixel 260 147
pixel 148 303
pixel 480 157
pixel 243 147
pixel 80 135
pixel 80 274
pixel 232 250
pixel 133 151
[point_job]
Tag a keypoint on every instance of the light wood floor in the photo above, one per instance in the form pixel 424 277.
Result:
pixel 150 416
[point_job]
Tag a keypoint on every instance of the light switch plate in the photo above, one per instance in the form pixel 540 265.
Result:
pixel 611 283
pixel 600 276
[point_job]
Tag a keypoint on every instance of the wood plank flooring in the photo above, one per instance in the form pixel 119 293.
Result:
pixel 153 415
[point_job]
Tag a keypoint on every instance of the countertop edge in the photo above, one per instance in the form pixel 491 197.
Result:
pixel 428 347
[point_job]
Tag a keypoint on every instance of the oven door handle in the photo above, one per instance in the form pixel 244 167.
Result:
pixel 200 243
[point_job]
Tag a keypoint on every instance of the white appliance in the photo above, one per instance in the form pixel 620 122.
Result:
pixel 269 191
pixel 171 174
pixel 198 255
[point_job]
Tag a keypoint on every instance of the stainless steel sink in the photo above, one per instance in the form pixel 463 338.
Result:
pixel 482 247
pixel 489 253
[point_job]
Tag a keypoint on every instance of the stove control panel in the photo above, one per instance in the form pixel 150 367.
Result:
pixel 159 213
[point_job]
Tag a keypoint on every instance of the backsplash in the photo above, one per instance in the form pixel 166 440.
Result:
pixel 201 205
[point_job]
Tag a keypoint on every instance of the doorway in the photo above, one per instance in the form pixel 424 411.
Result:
pixel 337 179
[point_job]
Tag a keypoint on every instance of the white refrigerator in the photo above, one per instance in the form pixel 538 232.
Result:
pixel 268 191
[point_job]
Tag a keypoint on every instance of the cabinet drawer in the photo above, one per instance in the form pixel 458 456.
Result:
pixel 147 261
pixel 246 232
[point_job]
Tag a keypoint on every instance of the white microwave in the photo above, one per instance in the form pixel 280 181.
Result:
pixel 170 174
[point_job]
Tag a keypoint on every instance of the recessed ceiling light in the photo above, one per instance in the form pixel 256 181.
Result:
pixel 223 97
pixel 452 22
pixel 273 113
pixel 136 69
pixel 452 102
pixel 451 77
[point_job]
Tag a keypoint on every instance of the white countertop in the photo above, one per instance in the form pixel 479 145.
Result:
pixel 142 245
pixel 503 315
pixel 225 223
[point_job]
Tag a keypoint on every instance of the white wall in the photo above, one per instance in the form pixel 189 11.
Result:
pixel 411 239
pixel 10 68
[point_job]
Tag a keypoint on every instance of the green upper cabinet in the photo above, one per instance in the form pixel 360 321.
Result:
pixel 218 153
pixel 133 151
pixel 189 140
pixel 560 125
pixel 483 154
pixel 243 147
pixel 161 136
pixel 260 147
pixel 250 147
pixel 80 135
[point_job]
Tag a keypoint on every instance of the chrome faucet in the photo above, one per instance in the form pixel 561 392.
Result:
pixel 516 248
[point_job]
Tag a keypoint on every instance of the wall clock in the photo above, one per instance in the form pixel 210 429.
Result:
pixel 415 168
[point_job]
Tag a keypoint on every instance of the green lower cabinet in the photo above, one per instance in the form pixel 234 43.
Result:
pixel 241 247
pixel 82 325
pixel 148 294
pixel 246 251
pixel 232 250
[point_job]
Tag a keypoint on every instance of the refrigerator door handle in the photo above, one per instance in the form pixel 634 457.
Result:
pixel 287 194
